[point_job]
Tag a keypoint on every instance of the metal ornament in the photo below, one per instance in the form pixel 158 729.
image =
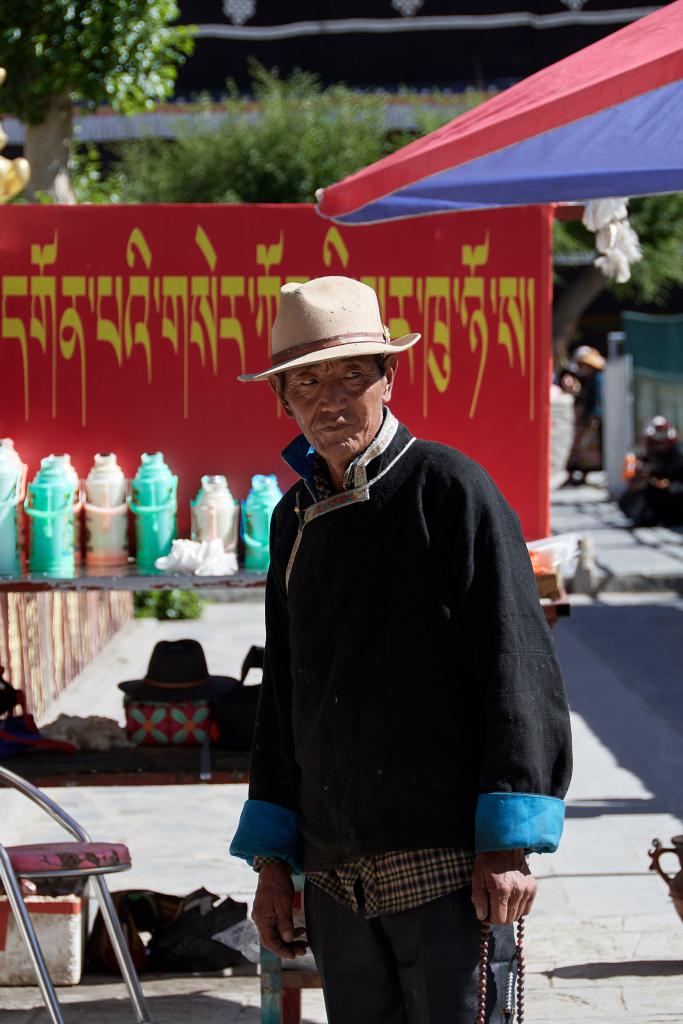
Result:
pixel 239 11
pixel 407 8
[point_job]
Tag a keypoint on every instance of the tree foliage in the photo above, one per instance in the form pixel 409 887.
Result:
pixel 294 136
pixel 120 52
pixel 168 604
pixel 658 221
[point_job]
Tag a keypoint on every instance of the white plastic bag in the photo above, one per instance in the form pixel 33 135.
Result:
pixel 559 553
pixel 243 937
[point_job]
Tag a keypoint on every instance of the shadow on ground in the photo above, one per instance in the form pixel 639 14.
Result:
pixel 597 808
pixel 627 969
pixel 622 667
pixel 642 644
pixel 174 1008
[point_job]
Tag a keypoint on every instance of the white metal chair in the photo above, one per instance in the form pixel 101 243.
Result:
pixel 79 859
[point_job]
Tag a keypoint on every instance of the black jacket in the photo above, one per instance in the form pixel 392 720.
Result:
pixel 409 670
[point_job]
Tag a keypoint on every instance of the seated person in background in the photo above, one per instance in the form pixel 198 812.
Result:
pixel 654 495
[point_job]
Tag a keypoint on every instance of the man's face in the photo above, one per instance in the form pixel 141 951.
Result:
pixel 337 404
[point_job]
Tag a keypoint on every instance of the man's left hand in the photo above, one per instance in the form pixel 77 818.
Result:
pixel 503 888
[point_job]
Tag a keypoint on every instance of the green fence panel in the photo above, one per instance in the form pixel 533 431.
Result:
pixel 656 344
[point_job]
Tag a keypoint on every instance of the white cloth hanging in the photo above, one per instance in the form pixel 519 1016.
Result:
pixel 615 238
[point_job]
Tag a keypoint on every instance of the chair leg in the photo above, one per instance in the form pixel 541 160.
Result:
pixel 22 917
pixel 120 946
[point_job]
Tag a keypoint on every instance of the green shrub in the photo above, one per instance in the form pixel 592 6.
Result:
pixel 168 604
pixel 294 136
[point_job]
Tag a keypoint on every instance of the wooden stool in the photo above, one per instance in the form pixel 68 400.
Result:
pixel 281 989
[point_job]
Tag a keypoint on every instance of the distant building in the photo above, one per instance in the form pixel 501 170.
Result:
pixel 369 44
pixel 385 43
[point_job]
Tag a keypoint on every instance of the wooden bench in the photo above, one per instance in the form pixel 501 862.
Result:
pixel 281 990
pixel 132 766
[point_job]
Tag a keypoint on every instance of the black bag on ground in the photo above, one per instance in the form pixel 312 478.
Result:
pixel 234 713
pixel 181 929
pixel 137 912
pixel 187 943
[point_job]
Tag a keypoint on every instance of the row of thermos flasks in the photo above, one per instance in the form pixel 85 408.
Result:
pixel 56 502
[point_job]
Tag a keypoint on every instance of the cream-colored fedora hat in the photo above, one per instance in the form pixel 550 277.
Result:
pixel 328 318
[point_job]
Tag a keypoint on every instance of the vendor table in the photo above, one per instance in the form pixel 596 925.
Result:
pixel 554 610
pixel 129 578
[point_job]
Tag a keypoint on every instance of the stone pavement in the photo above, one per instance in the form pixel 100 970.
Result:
pixel 626 559
pixel 603 943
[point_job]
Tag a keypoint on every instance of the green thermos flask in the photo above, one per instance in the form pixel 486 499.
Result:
pixel 154 504
pixel 50 507
pixel 12 492
pixel 256 514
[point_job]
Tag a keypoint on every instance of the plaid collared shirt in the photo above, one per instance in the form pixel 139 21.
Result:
pixel 387 883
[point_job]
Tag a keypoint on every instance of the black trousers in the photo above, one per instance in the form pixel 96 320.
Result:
pixel 418 966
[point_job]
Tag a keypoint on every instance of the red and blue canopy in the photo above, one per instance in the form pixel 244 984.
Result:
pixel 606 121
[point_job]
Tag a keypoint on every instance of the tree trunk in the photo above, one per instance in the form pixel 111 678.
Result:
pixel 571 305
pixel 48 147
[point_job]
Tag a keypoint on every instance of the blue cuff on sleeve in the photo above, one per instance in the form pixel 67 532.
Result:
pixel 511 821
pixel 267 830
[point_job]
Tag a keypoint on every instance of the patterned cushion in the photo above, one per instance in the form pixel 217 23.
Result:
pixel 183 724
pixel 41 858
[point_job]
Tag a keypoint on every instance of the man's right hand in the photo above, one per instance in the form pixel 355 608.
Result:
pixel 273 912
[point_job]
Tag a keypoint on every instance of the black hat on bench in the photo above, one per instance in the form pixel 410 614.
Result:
pixel 178 671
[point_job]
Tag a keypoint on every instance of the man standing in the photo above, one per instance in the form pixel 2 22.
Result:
pixel 412 741
pixel 584 382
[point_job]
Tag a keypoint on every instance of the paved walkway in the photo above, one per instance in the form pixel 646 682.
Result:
pixel 604 943
pixel 626 559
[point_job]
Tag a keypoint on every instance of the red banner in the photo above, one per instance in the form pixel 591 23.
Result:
pixel 123 329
